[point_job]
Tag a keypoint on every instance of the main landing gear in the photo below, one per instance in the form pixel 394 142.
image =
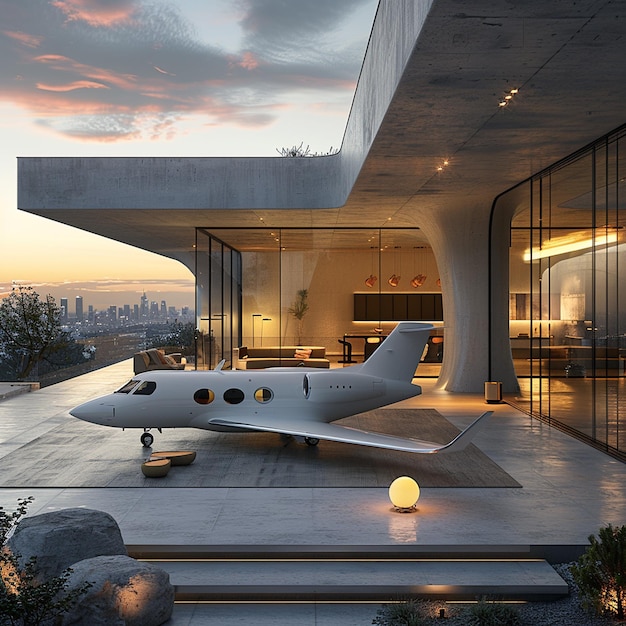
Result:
pixel 310 441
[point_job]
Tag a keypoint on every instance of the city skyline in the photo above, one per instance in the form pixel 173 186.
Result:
pixel 104 293
pixel 146 304
pixel 186 78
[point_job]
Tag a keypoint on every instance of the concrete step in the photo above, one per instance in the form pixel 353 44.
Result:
pixel 361 579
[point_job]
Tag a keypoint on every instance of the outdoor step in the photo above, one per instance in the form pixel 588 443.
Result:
pixel 377 579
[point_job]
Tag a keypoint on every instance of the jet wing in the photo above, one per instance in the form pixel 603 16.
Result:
pixel 345 434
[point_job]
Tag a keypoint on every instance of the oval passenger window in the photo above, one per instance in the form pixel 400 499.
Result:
pixel 233 396
pixel 204 396
pixel 263 395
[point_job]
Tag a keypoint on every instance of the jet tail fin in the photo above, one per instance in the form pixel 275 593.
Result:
pixel 399 354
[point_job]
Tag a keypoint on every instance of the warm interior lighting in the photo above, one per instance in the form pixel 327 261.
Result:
pixel 418 280
pixel 394 280
pixel 404 493
pixel 508 97
pixel 371 280
pixel 569 243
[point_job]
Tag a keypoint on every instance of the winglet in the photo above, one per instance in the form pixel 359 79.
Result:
pixel 464 438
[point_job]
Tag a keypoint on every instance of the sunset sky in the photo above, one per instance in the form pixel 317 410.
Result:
pixel 171 78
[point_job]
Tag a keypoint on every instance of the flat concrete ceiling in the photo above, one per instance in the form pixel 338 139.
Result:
pixel 565 58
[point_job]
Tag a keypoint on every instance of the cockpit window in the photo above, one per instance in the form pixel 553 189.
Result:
pixel 128 387
pixel 145 388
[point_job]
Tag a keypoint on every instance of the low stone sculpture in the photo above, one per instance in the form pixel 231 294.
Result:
pixel 124 592
pixel 61 538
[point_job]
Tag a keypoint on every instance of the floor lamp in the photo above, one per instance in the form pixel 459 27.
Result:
pixel 265 319
pixel 253 321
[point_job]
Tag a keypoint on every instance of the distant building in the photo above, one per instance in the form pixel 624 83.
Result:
pixel 79 309
pixel 143 307
pixel 64 311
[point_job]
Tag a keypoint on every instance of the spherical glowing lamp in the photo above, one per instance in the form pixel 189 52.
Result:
pixel 404 493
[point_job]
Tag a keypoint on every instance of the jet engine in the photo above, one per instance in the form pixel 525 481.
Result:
pixel 331 387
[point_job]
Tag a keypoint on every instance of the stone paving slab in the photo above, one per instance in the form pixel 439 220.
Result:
pixel 371 579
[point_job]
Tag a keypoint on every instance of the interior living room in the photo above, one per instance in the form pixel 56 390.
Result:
pixel 338 290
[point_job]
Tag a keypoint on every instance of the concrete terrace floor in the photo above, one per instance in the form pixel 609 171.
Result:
pixel 569 491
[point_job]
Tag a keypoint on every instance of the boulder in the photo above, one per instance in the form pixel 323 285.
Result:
pixel 124 592
pixel 61 538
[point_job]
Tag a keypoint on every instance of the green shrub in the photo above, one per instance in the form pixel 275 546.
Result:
pixel 600 573
pixel 407 613
pixel 485 613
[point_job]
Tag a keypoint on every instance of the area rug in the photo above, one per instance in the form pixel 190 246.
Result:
pixel 78 454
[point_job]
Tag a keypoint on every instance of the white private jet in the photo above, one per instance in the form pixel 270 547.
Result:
pixel 297 401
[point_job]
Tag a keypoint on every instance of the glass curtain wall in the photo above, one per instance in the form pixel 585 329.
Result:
pixel 567 293
pixel 303 286
pixel 218 300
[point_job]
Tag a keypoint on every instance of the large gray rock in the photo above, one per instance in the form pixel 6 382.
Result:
pixel 60 538
pixel 125 592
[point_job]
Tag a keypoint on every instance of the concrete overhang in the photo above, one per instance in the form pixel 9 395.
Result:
pixel 429 91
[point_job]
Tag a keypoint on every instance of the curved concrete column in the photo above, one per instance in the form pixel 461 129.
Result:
pixel 460 243
pixel 501 360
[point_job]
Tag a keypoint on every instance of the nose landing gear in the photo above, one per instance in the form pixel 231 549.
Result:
pixel 147 439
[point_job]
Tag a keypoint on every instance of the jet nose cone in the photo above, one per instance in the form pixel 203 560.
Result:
pixel 95 411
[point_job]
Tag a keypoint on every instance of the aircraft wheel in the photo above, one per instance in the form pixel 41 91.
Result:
pixel 311 441
pixel 147 439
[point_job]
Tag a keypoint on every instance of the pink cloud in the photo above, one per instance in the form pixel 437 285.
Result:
pixel 162 71
pixel 249 61
pixel 63 63
pixel 77 84
pixel 95 13
pixel 32 41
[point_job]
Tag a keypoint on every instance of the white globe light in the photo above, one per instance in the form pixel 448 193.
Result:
pixel 404 492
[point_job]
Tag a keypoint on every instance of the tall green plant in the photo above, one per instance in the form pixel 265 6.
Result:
pixel 299 309
pixel 601 572
pixel 25 600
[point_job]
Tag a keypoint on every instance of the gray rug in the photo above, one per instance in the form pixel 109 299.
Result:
pixel 78 454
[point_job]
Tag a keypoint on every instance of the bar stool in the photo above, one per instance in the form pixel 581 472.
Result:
pixel 347 351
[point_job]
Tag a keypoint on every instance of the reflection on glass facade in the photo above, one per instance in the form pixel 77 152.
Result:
pixel 355 281
pixel 567 294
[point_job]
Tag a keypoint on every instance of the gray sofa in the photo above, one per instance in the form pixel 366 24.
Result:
pixel 245 358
